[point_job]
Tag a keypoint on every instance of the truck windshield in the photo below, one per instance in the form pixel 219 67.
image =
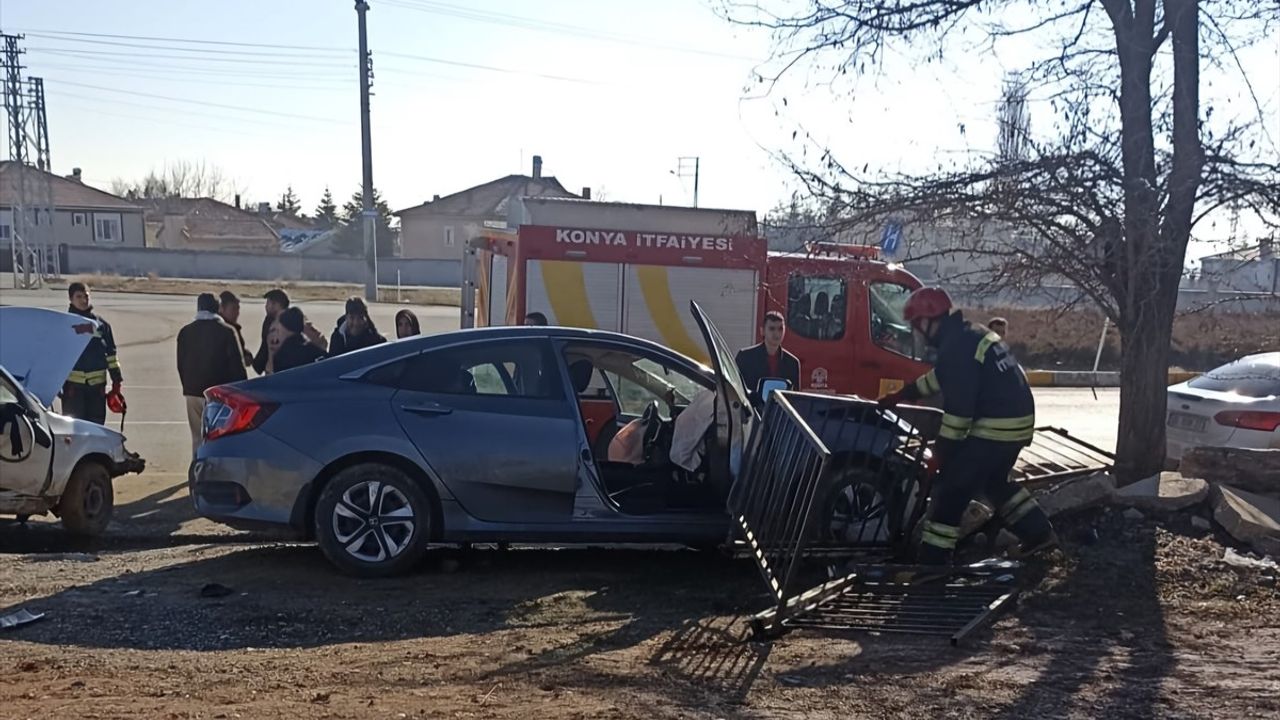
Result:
pixel 889 329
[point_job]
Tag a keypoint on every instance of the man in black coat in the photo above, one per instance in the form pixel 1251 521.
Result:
pixel 355 330
pixel 209 353
pixel 768 359
pixel 277 301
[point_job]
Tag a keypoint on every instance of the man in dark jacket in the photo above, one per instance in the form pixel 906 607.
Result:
pixel 768 359
pixel 276 302
pixel 295 347
pixel 84 395
pixel 209 353
pixel 229 310
pixel 355 330
pixel 989 416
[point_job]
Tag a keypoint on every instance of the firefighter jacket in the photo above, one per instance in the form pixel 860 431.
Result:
pixel 984 390
pixel 99 357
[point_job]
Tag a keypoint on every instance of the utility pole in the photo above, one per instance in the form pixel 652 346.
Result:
pixel 366 150
pixel 683 171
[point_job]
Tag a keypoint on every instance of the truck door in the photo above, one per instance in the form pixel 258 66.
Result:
pixel 895 354
pixel 26 447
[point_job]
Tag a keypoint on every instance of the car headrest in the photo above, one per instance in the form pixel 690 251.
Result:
pixel 580 375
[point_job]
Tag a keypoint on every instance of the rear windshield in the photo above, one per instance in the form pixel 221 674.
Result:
pixel 1256 376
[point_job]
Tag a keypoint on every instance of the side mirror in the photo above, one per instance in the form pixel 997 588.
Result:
pixel 769 384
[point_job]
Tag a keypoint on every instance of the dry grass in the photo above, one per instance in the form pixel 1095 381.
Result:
pixel 298 291
pixel 1055 340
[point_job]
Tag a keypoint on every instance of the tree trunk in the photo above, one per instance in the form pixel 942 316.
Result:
pixel 1144 381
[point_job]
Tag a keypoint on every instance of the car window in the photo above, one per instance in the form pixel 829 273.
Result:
pixel 816 306
pixel 517 368
pixel 889 329
pixel 8 393
pixel 635 380
pixel 1255 376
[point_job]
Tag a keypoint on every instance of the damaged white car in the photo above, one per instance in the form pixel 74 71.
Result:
pixel 50 463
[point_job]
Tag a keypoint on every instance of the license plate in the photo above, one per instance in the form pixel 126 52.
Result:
pixel 1186 421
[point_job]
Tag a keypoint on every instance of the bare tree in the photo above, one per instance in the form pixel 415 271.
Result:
pixel 182 178
pixel 1110 199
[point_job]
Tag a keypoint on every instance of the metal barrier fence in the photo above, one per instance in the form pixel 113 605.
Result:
pixel 1056 454
pixel 829 471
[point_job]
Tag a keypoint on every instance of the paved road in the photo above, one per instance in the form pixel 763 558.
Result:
pixel 145 327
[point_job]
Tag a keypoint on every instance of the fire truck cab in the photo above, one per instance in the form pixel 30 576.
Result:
pixel 634 268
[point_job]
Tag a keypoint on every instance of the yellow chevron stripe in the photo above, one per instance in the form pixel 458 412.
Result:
pixel 566 288
pixel 655 286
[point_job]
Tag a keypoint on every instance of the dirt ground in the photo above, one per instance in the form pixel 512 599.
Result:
pixel 1134 619
pixel 250 291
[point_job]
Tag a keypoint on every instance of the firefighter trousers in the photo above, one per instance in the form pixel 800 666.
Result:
pixel 979 469
pixel 86 402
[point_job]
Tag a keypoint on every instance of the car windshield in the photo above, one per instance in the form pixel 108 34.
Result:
pixel 1255 376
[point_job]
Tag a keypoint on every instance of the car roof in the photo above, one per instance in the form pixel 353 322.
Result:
pixel 388 351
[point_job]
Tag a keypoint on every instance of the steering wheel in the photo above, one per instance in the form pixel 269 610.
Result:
pixel 652 427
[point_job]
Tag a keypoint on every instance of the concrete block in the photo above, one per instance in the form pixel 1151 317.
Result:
pixel 1077 494
pixel 1256 471
pixel 1248 517
pixel 1133 515
pixel 1165 492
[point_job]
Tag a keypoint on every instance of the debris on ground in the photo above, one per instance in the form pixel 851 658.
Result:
pixel 1133 515
pixel 1077 494
pixel 1201 523
pixel 215 590
pixel 1233 558
pixel 18 617
pixel 1165 492
pixel 1249 517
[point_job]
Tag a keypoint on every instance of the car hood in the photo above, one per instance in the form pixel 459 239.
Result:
pixel 39 347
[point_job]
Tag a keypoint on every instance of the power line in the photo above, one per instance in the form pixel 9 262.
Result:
pixel 238 108
pixel 146 74
pixel 558 28
pixel 327 54
pixel 408 56
pixel 194 41
pixel 187 58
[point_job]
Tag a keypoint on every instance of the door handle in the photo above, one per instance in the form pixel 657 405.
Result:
pixel 428 409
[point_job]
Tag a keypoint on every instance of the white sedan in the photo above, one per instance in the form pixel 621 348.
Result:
pixel 1236 405
pixel 50 462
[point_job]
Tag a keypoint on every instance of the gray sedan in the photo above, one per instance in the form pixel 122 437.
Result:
pixel 498 434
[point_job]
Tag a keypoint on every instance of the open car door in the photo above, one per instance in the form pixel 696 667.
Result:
pixel 734 416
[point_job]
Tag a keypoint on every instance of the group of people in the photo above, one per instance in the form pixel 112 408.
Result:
pixel 212 351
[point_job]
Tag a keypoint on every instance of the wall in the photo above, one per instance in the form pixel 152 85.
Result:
pixel 422 235
pixel 1054 296
pixel 218 265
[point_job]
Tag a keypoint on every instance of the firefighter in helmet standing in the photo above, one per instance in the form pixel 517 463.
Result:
pixel 989 416
pixel 84 395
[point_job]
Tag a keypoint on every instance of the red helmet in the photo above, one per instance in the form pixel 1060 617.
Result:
pixel 115 401
pixel 927 302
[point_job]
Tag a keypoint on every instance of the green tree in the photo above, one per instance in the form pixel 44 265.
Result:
pixel 289 203
pixel 351 239
pixel 327 210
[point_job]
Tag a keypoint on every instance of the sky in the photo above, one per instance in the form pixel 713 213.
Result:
pixel 610 94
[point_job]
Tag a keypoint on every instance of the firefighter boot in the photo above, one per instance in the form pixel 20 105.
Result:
pixel 1026 520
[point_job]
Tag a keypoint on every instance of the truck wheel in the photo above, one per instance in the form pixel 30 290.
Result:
pixel 373 521
pixel 88 500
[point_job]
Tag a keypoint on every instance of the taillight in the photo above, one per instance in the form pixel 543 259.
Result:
pixel 228 411
pixel 1249 419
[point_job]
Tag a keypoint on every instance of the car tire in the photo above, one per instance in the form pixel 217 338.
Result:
pixel 88 500
pixel 373 520
pixel 855 504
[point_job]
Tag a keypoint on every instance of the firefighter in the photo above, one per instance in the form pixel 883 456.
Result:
pixel 84 395
pixel 989 416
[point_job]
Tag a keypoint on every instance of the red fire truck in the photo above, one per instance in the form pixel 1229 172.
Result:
pixel 634 269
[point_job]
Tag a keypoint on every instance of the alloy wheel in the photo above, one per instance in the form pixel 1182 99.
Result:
pixel 373 521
